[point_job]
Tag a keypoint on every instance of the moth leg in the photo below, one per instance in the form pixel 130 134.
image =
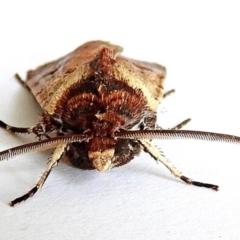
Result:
pixel 23 83
pixel 182 124
pixel 15 129
pixel 56 156
pixel 159 157
pixel 45 125
pixel 166 94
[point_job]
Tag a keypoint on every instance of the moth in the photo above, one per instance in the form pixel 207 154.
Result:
pixel 99 111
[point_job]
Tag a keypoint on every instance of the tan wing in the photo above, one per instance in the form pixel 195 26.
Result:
pixel 49 81
pixel 42 76
pixel 152 77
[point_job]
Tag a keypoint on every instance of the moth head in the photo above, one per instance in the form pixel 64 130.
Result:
pixel 102 160
pixel 101 152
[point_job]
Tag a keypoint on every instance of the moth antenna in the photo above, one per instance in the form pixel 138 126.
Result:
pixel 41 145
pixel 177 134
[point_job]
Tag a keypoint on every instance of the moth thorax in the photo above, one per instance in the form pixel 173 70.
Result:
pixel 102 160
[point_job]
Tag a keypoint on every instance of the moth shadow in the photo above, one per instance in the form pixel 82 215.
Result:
pixel 157 172
pixel 148 170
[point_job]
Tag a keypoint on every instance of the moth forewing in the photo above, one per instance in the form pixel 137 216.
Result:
pixel 99 110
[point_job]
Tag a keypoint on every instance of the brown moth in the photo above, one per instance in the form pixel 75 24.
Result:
pixel 99 111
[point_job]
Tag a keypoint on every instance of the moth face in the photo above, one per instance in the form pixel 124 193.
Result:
pixel 102 160
pixel 101 152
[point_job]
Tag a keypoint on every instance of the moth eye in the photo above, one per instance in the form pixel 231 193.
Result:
pixel 142 126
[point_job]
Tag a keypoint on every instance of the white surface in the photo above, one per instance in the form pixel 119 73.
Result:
pixel 199 45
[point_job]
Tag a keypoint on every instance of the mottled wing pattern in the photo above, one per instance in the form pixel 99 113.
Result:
pixel 44 80
pixel 152 78
pixel 54 77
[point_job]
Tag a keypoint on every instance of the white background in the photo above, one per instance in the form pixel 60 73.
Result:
pixel 199 43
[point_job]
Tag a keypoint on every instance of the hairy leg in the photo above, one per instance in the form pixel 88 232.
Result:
pixel 56 156
pixel 159 157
